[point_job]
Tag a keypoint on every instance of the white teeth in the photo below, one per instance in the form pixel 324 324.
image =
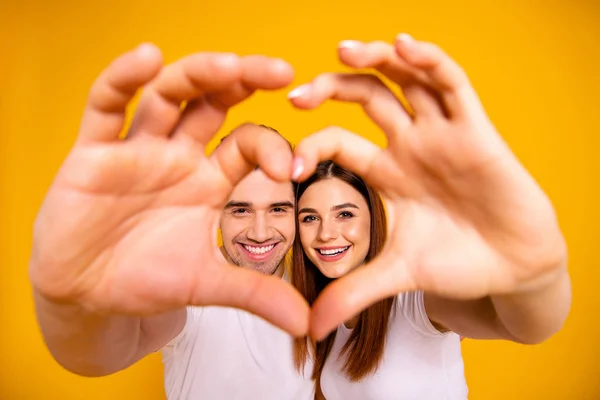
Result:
pixel 333 252
pixel 259 249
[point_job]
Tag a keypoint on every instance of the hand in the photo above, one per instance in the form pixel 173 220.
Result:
pixel 129 226
pixel 466 220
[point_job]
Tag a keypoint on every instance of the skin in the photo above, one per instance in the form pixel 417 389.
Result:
pixel 126 236
pixel 468 225
pixel 258 225
pixel 333 216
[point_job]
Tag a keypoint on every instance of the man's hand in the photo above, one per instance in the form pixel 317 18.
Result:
pixel 129 225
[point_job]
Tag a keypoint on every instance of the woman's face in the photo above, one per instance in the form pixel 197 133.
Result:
pixel 334 222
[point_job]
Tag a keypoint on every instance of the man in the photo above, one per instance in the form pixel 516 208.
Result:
pixel 229 353
pixel 125 239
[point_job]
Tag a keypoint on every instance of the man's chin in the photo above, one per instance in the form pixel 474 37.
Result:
pixel 267 267
pixel 263 268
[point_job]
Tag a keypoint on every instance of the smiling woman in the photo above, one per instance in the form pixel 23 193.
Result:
pixel 341 225
pixel 334 228
pixel 391 349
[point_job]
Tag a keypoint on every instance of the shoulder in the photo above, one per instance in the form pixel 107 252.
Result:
pixel 193 316
pixel 411 307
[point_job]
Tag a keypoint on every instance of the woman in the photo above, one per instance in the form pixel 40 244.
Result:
pixel 390 350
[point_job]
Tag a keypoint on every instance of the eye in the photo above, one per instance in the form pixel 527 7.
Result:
pixel 346 214
pixel 309 218
pixel 240 211
pixel 280 210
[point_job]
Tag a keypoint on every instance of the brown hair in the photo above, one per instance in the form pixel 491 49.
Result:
pixel 364 348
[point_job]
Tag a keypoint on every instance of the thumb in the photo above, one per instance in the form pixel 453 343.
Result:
pixel 345 298
pixel 266 296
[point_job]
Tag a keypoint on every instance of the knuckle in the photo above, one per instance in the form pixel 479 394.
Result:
pixel 325 80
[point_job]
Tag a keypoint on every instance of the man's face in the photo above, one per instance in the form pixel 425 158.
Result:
pixel 258 225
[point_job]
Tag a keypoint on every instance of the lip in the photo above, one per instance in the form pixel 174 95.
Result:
pixel 335 258
pixel 258 257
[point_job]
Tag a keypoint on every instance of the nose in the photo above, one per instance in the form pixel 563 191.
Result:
pixel 328 230
pixel 259 231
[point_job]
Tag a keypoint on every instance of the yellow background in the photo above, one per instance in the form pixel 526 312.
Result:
pixel 534 63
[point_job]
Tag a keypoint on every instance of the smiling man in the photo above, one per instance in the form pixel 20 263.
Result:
pixel 257 226
pixel 230 353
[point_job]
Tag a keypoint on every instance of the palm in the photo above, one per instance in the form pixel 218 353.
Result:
pixel 129 226
pixel 466 224
pixel 465 218
pixel 149 200
pixel 443 254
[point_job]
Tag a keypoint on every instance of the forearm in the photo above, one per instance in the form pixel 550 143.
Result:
pixel 534 315
pixel 96 345
pixel 529 317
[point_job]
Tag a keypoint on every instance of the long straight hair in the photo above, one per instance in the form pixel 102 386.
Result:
pixel 364 349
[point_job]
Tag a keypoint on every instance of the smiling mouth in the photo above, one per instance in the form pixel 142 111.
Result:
pixel 258 250
pixel 332 252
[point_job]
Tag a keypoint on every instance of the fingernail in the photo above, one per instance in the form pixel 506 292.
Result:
pixel 405 38
pixel 146 49
pixel 281 64
pixel 299 91
pixel 297 168
pixel 349 44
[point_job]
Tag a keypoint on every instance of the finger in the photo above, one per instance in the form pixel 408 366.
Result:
pixel 266 296
pixel 190 78
pixel 423 102
pixel 252 145
pixel 445 75
pixel 258 73
pixel 356 54
pixel 200 121
pixel 204 116
pixel 104 114
pixel 346 297
pixel 352 152
pixel 380 104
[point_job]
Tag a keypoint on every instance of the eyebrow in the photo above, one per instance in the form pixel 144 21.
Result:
pixel 283 204
pixel 233 204
pixel 334 208
pixel 241 204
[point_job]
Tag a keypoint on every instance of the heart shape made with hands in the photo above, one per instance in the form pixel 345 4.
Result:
pixel 129 225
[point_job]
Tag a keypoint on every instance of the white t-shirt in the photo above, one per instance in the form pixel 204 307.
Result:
pixel 419 362
pixel 226 353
